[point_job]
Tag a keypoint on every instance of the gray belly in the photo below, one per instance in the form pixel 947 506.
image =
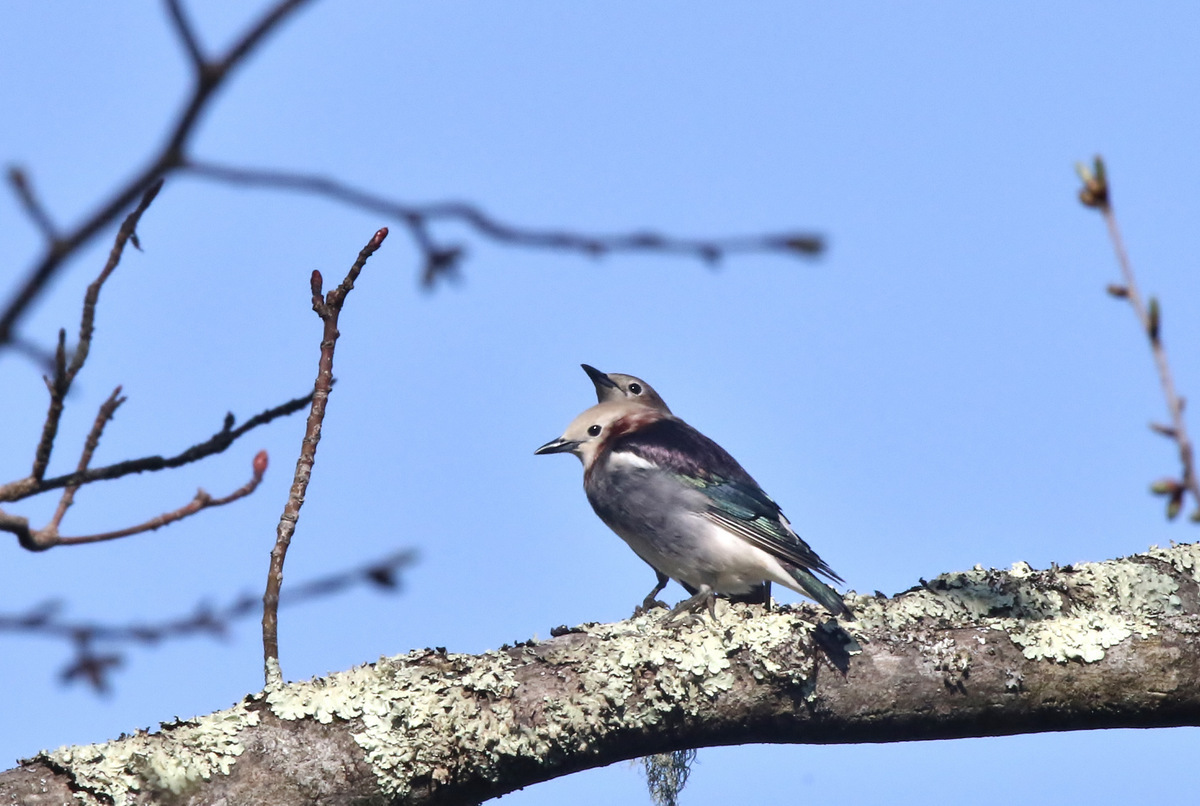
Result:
pixel 662 522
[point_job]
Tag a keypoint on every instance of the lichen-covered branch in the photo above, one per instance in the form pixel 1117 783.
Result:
pixel 977 653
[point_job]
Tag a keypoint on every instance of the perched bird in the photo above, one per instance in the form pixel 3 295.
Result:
pixel 615 386
pixel 686 507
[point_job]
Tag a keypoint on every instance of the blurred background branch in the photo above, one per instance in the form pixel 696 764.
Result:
pixel 94 666
pixel 1096 194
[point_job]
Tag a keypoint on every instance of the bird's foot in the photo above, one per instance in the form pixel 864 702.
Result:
pixel 651 601
pixel 687 611
pixel 648 604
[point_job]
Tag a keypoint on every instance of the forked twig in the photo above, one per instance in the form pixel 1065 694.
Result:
pixel 329 308
pixel 211 74
pixel 202 500
pixel 64 374
pixel 107 410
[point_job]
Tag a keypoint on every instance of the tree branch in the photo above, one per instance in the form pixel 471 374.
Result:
pixel 48 536
pixel 44 621
pixel 64 375
pixel 107 409
pixel 202 500
pixel 977 653
pixel 441 260
pixel 1095 193
pixel 187 36
pixel 169 157
pixel 217 443
pixel 329 308
pixel 31 204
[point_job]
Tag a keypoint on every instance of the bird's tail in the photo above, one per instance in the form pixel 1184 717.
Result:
pixel 826 596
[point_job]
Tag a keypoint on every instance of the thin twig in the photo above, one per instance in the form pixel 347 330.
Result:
pixel 19 526
pixel 107 410
pixel 329 309
pixel 202 500
pixel 64 375
pixel 441 259
pixel 187 35
pixel 57 389
pixel 169 157
pixel 1096 194
pixel 43 620
pixel 35 352
pixel 33 207
pixel 48 537
pixel 218 442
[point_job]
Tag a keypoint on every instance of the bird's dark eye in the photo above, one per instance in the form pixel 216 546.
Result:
pixel 635 388
pixel 594 431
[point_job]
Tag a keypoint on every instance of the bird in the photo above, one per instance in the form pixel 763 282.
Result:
pixel 614 386
pixel 686 507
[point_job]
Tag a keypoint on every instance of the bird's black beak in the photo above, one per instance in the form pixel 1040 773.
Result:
pixel 559 445
pixel 599 378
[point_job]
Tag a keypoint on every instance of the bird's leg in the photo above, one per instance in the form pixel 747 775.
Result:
pixel 650 602
pixel 685 611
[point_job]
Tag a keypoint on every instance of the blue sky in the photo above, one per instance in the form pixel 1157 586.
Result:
pixel 948 386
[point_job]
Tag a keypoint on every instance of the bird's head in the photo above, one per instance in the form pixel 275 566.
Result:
pixel 615 386
pixel 591 432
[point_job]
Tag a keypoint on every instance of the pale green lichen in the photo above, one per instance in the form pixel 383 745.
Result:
pixel 175 759
pixel 1183 558
pixel 1075 613
pixel 411 706
pixel 419 716
pixel 410 709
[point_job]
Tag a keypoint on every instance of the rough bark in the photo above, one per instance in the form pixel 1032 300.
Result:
pixel 977 653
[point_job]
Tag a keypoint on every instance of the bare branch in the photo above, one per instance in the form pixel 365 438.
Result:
pixel 64 375
pixel 32 206
pixel 169 157
pixel 48 536
pixel 202 500
pixel 34 352
pixel 43 620
pixel 19 526
pixel 218 442
pixel 329 309
pixel 440 260
pixel 57 389
pixel 1095 193
pixel 107 410
pixel 187 36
